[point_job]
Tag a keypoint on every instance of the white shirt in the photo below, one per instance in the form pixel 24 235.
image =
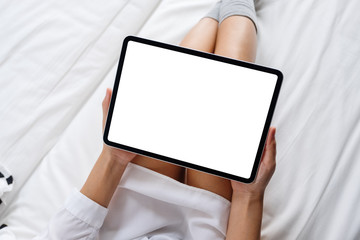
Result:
pixel 146 205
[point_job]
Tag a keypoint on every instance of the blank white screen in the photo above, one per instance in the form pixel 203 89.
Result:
pixel 190 108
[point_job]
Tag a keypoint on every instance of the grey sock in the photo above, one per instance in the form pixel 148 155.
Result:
pixel 214 12
pixel 230 8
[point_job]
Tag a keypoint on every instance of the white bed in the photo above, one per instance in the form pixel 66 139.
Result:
pixel 57 58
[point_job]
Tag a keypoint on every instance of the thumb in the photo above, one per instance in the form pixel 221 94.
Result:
pixel 270 149
pixel 105 105
pixel 268 161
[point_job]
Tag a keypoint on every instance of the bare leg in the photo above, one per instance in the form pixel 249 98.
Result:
pixel 236 38
pixel 167 169
pixel 218 185
pixel 201 37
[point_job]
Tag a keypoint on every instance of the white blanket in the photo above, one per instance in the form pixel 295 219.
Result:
pixel 57 58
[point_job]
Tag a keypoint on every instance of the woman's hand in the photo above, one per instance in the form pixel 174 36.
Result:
pixel 108 169
pixel 123 157
pixel 265 172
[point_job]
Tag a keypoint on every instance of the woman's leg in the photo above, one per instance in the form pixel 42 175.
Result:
pixel 201 37
pixel 167 169
pixel 236 38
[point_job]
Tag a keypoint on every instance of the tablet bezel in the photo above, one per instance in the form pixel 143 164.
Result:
pixel 208 56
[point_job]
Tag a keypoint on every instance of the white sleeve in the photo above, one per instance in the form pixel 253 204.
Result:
pixel 80 218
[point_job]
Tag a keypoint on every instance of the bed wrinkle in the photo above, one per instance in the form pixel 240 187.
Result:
pixel 37 28
pixel 17 22
pixel 330 179
pixel 91 44
pixel 79 18
pixel 316 63
pixel 16 48
pixel 297 135
pixel 113 63
pixel 62 78
pixel 91 92
pixel 150 14
pixel 14 98
pixel 315 206
pixel 80 55
pixel 70 112
pixel 39 106
pixel 347 145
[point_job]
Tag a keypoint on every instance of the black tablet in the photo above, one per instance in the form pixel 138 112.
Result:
pixel 191 108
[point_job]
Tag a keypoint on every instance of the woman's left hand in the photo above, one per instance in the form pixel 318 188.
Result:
pixel 265 172
pixel 122 156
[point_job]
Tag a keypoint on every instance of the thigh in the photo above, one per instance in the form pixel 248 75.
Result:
pixel 202 36
pixel 167 169
pixel 237 39
pixel 212 183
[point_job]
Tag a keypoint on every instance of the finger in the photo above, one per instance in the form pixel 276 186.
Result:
pixel 270 152
pixel 271 142
pixel 271 135
pixel 267 164
pixel 105 105
pixel 268 139
pixel 107 97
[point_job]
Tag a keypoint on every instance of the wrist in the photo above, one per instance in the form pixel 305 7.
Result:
pixel 114 160
pixel 248 196
pixel 104 178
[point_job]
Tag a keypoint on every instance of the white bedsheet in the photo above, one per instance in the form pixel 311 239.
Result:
pixel 57 59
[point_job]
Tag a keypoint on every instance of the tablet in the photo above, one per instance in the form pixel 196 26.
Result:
pixel 191 108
